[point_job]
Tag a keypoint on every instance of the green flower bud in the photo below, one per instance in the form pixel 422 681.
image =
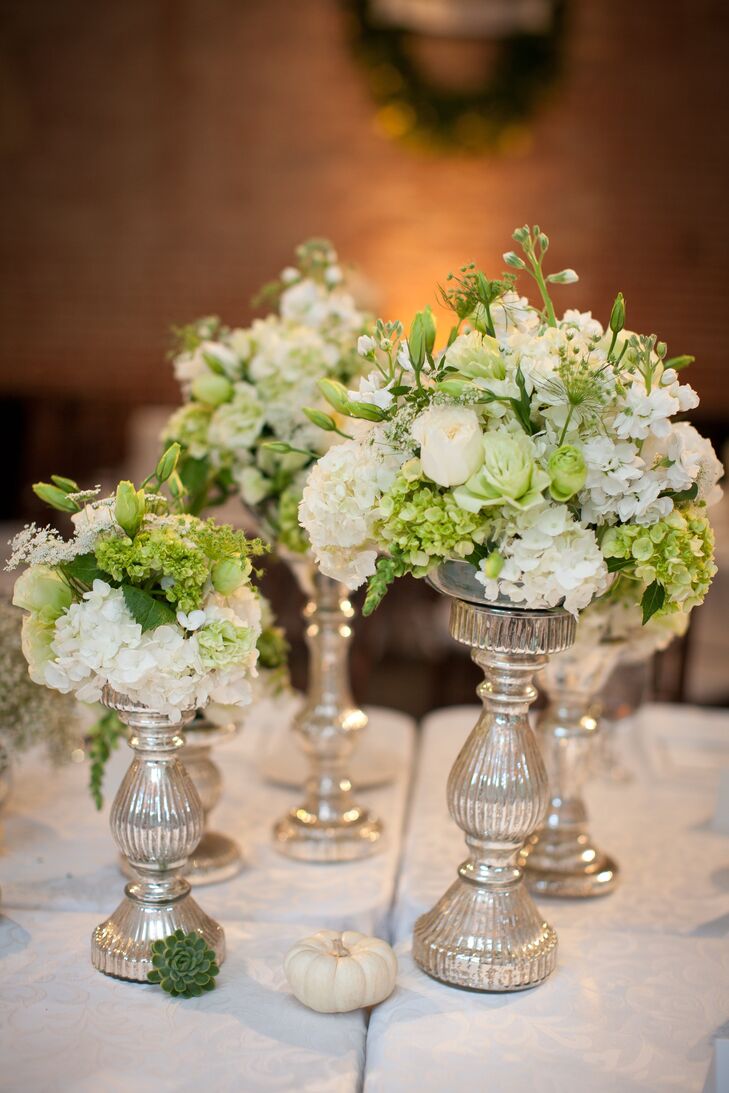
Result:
pixel 55 497
pixel 564 277
pixel 227 575
pixel 212 389
pixel 320 419
pixel 512 259
pixel 168 462
pixel 416 342
pixel 129 509
pixel 66 484
pixel 336 394
pixel 617 315
pixel 567 472
pixel 493 564
pixel 366 410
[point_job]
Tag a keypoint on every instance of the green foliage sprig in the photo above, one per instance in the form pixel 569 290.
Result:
pixel 103 740
pixel 184 966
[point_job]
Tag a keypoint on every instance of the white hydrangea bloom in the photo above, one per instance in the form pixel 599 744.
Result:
pixel 684 457
pixel 549 560
pixel 338 507
pixel 98 643
pixel 236 424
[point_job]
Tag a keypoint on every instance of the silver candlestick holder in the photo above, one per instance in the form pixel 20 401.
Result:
pixel 561 858
pixel 486 933
pixel 156 821
pixel 329 825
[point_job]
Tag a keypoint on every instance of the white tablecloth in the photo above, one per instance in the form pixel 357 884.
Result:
pixel 642 984
pixel 58 852
pixel 640 992
pixel 64 1028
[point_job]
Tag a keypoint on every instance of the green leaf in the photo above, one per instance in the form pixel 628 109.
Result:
pixel 653 599
pixel 145 609
pixel 683 495
pixel 614 565
pixel 85 569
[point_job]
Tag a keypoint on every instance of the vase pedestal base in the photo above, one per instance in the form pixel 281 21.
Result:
pixel 571 868
pixel 484 940
pixel 122 945
pixel 307 837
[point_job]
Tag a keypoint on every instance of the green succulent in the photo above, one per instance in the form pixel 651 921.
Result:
pixel 183 965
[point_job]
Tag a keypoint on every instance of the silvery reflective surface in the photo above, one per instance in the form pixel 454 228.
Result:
pixel 156 821
pixel 561 858
pixel 485 933
pixel 328 825
pixel 216 857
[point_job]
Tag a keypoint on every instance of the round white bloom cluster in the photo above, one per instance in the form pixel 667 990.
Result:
pixel 97 643
pixel 339 507
pixel 548 560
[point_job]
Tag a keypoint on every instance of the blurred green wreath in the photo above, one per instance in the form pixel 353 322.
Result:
pixel 417 109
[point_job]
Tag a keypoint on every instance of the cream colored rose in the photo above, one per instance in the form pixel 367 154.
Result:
pixel 450 443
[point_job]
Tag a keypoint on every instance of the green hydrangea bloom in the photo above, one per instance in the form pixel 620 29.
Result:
pixel 290 533
pixel 677 552
pixel 153 555
pixel 223 644
pixel 423 526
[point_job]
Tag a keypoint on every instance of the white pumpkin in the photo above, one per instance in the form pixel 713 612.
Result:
pixel 334 973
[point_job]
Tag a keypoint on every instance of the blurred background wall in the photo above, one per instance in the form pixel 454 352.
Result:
pixel 161 159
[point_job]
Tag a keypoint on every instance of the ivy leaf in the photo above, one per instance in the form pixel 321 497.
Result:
pixel 85 569
pixel 653 600
pixel 145 609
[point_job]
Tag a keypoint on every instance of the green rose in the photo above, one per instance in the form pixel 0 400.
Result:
pixel 567 472
pixel 43 592
pixel 222 644
pixel 476 356
pixel 36 639
pixel 508 475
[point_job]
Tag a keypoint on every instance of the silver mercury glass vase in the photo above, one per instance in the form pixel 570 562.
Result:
pixel 217 857
pixel 329 826
pixel 156 821
pixel 486 933
pixel 561 858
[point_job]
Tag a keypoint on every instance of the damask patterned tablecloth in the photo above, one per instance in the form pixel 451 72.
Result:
pixel 674 866
pixel 64 1028
pixel 56 851
pixel 641 990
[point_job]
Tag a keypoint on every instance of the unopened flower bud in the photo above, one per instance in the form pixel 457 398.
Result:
pixel 211 389
pixel 129 508
pixel 492 565
pixel 227 575
pixel 617 315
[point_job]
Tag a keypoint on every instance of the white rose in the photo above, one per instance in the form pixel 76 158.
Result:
pixel 450 440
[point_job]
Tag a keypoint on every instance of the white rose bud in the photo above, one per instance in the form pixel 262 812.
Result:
pixel 450 443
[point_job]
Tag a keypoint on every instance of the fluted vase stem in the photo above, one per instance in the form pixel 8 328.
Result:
pixel 329 825
pixel 485 933
pixel 156 821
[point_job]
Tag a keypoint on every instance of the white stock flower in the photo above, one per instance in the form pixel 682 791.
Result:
pixel 450 440
pixel 684 457
pixel 371 390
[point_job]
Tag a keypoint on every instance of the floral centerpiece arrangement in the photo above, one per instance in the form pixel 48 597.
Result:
pixel 542 450
pixel 154 603
pixel 242 428
pixel 252 424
